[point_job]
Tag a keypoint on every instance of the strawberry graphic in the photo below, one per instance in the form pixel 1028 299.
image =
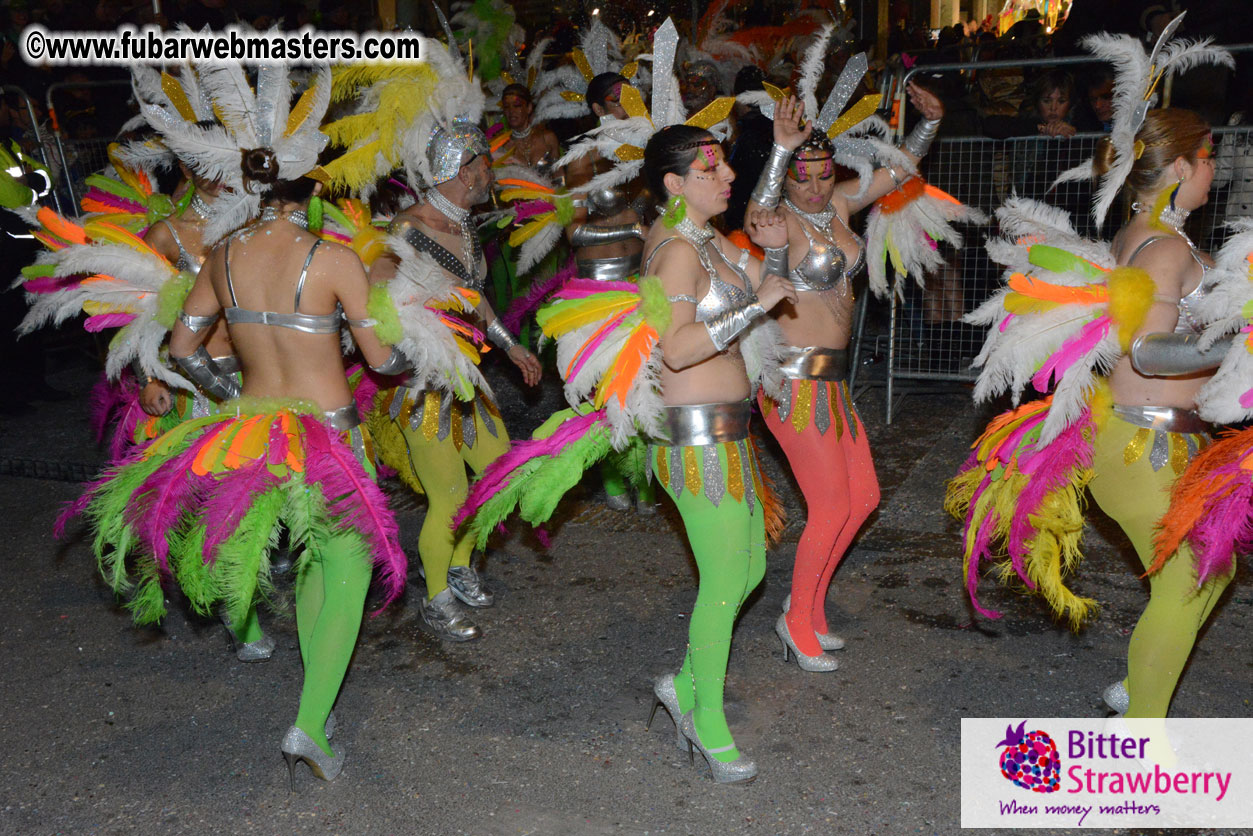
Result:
pixel 1030 759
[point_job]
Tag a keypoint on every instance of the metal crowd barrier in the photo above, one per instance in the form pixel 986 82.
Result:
pixel 40 150
pixel 927 343
pixel 81 157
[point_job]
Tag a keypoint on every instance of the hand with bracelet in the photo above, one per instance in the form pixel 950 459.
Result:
pixel 768 230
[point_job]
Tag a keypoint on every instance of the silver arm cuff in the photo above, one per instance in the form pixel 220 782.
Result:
pixel 726 326
pixel 396 363
pixel 769 186
pixel 920 138
pixel 368 322
pixel 203 372
pixel 141 376
pixel 775 262
pixel 1172 355
pixel 591 235
pixel 500 336
pixel 196 324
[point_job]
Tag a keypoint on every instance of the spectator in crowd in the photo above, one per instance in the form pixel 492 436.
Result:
pixel 1045 111
pixel 1095 110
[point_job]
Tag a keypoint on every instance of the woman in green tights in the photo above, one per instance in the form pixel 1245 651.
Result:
pixel 706 463
pixel 207 500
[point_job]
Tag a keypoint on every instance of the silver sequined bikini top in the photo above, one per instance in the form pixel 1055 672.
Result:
pixel 297 321
pixel 722 296
pixel 825 265
pixel 186 261
pixel 1188 322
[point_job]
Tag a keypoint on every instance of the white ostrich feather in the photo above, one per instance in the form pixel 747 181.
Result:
pixel 135 284
pixel 812 66
pixel 427 343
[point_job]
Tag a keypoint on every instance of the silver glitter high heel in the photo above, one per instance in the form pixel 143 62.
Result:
pixel 467 585
pixel 814 664
pixel 1117 698
pixel 663 690
pixel 618 502
pixel 827 641
pixel 258 651
pixel 739 771
pixel 298 746
pixel 447 620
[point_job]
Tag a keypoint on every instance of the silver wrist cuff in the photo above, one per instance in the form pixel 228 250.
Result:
pixel 196 324
pixel 1172 355
pixel 726 326
pixel 203 372
pixel 500 336
pixel 775 262
pixel 592 235
pixel 396 363
pixel 920 138
pixel 769 186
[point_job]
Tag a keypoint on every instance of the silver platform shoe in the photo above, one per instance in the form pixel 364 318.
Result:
pixel 821 663
pixel 448 620
pixel 739 771
pixel 467 584
pixel 827 641
pixel 1117 698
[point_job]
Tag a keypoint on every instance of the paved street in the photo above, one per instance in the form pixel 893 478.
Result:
pixel 538 728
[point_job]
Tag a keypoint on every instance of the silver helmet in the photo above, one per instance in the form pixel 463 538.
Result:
pixel 447 148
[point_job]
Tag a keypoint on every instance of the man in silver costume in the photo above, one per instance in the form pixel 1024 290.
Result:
pixel 441 434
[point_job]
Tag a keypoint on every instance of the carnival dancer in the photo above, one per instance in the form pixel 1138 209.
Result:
pixel 816 423
pixel 528 141
pixel 430 433
pixel 1118 329
pixel 681 413
pixel 205 502
pixel 606 230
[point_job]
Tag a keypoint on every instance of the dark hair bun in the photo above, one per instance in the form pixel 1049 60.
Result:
pixel 260 165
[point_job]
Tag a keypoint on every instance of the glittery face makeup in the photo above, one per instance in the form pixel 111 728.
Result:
pixel 709 156
pixel 1207 148
pixel 804 169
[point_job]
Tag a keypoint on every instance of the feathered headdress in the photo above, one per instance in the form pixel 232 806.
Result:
pixel 625 139
pixel 245 119
pixel 856 134
pixel 490 30
pixel 400 107
pixel 1137 77
pixel 562 92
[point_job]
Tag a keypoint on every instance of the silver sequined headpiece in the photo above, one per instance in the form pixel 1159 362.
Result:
pixel 446 150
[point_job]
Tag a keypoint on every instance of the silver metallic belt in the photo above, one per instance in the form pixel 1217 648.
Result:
pixel 608 269
pixel 342 419
pixel 227 364
pixel 698 425
pixel 814 363
pixel 1170 419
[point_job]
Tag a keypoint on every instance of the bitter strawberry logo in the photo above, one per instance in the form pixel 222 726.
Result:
pixel 1030 759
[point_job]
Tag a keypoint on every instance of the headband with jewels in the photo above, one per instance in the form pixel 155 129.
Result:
pixel 857 135
pixel 421 117
pixel 244 118
pixel 1137 78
